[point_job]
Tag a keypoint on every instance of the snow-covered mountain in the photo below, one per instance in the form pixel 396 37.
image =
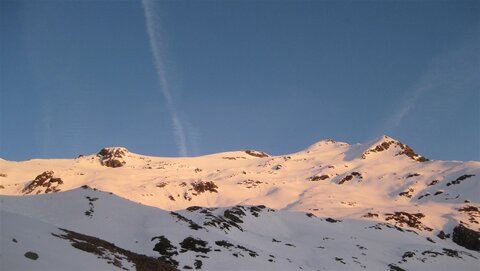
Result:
pixel 373 206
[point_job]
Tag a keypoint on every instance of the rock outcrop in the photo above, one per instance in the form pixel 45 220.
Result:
pixel 113 157
pixel 466 237
pixel 388 142
pixel 259 154
pixel 43 181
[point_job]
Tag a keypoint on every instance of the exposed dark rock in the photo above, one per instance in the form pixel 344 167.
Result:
pixel 259 154
pixel 466 237
pixel 91 207
pixel 194 208
pixel 350 177
pixel 473 213
pixel 196 245
pixel 469 209
pixel 451 253
pixel 310 215
pixel 231 218
pixel 424 195
pixel 361 247
pixel 407 193
pixel 447 252
pixel 412 175
pixel 404 150
pixel 31 255
pixel 460 179
pixel 112 157
pixel 234 214
pixel 109 252
pixel 186 196
pixel 250 183
pixel 380 226
pixel 191 224
pixel 221 223
pixel 249 251
pixel 198 264
pixel 442 235
pixel 43 181
pixel 255 210
pixel 224 244
pixel 410 220
pixel 166 249
pixel 331 220
pixel 409 152
pixel 395 268
pixel 370 215
pixel 202 187
pixel 432 253
pixel 319 178
pixel 408 254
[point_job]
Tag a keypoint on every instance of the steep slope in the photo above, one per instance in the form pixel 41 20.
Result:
pixel 235 238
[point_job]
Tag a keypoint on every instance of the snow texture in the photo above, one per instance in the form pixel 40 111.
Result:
pixel 332 206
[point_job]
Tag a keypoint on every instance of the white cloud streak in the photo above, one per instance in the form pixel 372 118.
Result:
pixel 446 76
pixel 158 52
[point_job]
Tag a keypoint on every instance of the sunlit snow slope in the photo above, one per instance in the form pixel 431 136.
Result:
pixel 386 198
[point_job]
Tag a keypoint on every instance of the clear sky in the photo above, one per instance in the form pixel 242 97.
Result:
pixel 170 78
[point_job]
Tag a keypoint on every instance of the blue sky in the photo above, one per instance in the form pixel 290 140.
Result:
pixel 172 78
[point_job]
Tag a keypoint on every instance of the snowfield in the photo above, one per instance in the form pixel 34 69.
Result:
pixel 332 206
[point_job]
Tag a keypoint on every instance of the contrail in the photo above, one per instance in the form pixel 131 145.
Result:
pixel 446 75
pixel 156 47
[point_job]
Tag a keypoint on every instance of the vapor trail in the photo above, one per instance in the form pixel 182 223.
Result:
pixel 157 49
pixel 446 75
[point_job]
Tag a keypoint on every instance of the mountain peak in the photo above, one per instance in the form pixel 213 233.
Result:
pixel 385 143
pixel 113 150
pixel 387 138
pixel 325 143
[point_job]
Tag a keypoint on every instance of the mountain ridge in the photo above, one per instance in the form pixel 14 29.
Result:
pixel 308 148
pixel 389 187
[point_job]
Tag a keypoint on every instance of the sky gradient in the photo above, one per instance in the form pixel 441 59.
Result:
pixel 170 78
